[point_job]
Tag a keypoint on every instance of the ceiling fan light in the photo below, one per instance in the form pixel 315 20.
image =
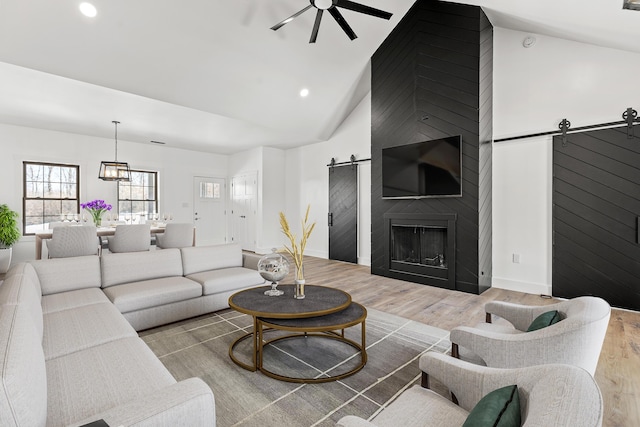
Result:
pixel 323 4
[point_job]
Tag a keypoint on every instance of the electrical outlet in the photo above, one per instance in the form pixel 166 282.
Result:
pixel 515 258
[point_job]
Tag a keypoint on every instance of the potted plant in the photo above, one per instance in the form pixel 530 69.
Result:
pixel 9 234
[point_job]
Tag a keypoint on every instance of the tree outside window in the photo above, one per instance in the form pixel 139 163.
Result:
pixel 50 194
pixel 138 198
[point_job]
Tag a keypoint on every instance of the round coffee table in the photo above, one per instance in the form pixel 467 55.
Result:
pixel 321 313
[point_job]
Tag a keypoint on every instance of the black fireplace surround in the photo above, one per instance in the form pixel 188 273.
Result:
pixel 432 78
pixel 421 248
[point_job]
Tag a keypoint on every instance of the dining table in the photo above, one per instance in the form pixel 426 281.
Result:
pixel 109 230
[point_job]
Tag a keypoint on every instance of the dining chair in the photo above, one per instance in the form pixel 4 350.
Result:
pixel 72 241
pixel 176 235
pixel 55 224
pixel 130 238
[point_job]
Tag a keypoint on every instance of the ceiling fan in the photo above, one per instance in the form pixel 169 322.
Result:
pixel 332 6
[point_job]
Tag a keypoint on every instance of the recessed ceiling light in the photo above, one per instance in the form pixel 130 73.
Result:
pixel 304 92
pixel 88 9
pixel 631 4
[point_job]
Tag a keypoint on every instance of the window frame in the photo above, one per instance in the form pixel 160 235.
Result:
pixel 120 201
pixel 25 199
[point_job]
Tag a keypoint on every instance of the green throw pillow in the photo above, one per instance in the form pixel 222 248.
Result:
pixel 544 320
pixel 500 408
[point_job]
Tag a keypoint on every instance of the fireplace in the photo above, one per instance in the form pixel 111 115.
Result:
pixel 421 248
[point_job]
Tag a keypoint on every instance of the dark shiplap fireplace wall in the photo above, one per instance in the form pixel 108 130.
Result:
pixel 432 78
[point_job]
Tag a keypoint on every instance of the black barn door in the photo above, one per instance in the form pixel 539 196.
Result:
pixel 343 213
pixel 596 206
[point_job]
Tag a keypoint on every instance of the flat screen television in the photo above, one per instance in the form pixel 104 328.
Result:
pixel 423 169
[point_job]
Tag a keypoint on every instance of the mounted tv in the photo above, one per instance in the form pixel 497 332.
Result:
pixel 423 169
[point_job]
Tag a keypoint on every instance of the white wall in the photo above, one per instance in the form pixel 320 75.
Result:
pixel 272 199
pixel 534 89
pixel 269 163
pixel 176 167
pixel 308 181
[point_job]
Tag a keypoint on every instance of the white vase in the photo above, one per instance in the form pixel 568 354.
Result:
pixel 5 259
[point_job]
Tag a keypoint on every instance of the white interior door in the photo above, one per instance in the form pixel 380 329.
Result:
pixel 209 210
pixel 244 202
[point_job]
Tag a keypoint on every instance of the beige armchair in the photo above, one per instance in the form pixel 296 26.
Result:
pixel 550 395
pixel 575 340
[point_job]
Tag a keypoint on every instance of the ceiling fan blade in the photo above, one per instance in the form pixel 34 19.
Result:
pixel 316 27
pixel 343 24
pixel 357 7
pixel 291 18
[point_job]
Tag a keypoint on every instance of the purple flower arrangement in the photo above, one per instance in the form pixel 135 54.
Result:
pixel 96 208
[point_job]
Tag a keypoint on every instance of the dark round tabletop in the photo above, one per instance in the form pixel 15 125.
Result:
pixel 318 301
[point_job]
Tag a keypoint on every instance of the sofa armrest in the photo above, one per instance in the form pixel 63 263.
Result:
pixel 189 402
pixel 462 378
pixel 250 260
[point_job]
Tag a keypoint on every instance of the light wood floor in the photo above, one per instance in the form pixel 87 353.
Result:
pixel 618 372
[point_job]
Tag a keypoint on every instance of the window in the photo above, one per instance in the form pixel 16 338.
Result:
pixel 138 198
pixel 51 193
pixel 210 190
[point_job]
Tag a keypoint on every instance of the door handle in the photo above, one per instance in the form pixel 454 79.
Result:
pixel 242 216
pixel 330 219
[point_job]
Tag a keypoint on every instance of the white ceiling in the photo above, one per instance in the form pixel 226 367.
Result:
pixel 210 75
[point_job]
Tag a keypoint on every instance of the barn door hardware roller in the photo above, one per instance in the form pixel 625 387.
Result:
pixel 352 161
pixel 564 126
pixel 630 116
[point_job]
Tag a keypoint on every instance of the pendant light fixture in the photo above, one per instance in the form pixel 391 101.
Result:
pixel 115 171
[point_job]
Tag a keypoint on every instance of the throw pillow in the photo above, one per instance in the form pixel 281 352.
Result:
pixel 544 320
pixel 500 408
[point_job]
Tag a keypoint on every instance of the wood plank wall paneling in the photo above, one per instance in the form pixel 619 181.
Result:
pixel 438 63
pixel 596 204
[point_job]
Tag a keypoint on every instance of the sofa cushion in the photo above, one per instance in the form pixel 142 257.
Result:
pixel 23 379
pixel 544 320
pixel 137 266
pixel 152 293
pixel 72 299
pixel 76 329
pixel 424 406
pixel 196 259
pixel 227 279
pixel 54 273
pixel 499 408
pixel 99 378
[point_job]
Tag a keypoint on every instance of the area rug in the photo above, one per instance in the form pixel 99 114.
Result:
pixel 200 348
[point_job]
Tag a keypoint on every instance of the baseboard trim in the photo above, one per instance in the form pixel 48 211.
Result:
pixel 519 286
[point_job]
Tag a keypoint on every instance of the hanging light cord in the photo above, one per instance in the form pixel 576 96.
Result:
pixel 116 123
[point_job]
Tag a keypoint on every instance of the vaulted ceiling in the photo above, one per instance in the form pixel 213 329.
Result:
pixel 210 75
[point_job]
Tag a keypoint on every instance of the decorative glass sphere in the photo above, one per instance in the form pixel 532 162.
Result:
pixel 273 267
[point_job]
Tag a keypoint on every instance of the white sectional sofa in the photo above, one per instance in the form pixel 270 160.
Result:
pixel 69 351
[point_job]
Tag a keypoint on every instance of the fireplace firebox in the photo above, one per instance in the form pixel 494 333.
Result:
pixel 421 248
